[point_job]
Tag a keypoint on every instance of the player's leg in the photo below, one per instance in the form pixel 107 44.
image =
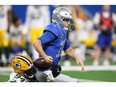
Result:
pixel 40 76
pixel 1 63
pixel 65 78
pixel 107 56
pixel 6 41
pixel 33 36
pixel 100 44
pixel 7 53
pixel 107 50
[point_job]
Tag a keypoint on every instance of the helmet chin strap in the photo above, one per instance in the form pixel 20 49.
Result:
pixel 30 76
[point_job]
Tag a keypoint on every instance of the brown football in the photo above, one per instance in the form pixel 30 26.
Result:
pixel 41 64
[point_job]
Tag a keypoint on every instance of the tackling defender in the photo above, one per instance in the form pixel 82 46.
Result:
pixel 53 41
pixel 24 70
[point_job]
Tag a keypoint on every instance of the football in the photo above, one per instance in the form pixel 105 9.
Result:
pixel 41 64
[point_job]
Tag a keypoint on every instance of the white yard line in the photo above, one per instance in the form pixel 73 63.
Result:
pixel 89 68
pixel 86 80
pixel 74 68
pixel 2 69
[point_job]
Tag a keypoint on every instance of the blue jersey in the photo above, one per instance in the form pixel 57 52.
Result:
pixel 54 41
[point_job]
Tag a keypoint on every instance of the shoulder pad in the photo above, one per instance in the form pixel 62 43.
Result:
pixel 53 28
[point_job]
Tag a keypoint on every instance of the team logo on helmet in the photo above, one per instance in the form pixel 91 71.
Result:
pixel 17 65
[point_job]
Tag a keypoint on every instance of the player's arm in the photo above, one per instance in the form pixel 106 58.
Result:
pixel 17 78
pixel 44 39
pixel 69 51
pixel 114 19
pixel 96 20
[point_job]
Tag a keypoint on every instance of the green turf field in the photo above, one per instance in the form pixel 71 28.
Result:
pixel 104 76
pixel 3 78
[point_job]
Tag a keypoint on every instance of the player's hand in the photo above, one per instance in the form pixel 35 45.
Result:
pixel 104 27
pixel 48 59
pixel 80 62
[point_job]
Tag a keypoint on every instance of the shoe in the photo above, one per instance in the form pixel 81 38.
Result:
pixel 106 63
pixel 67 63
pixel 95 63
pixel 114 58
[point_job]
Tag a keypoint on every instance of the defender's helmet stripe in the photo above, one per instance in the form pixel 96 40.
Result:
pixel 24 59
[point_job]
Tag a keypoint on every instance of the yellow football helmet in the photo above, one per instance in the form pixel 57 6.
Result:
pixel 23 65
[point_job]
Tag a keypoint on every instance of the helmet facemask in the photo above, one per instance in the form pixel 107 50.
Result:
pixel 30 73
pixel 70 26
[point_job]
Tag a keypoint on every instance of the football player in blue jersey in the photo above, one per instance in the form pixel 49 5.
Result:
pixel 53 41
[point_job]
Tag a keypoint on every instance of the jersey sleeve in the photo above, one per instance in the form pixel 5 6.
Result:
pixel 67 45
pixel 47 37
pixel 53 29
pixel 17 78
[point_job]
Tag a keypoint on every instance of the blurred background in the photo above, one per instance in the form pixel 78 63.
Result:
pixel 21 25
